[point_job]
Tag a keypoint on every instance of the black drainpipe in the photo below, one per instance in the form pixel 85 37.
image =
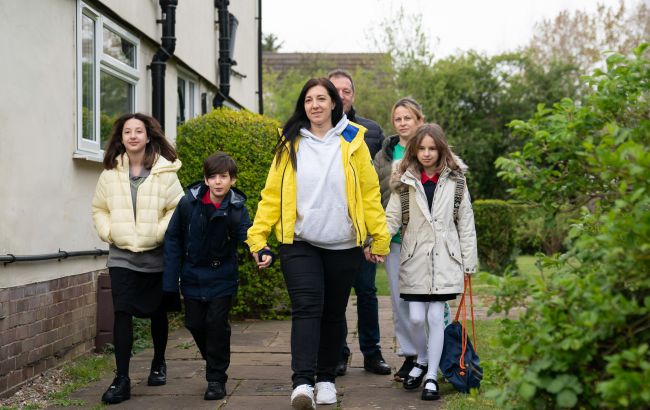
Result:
pixel 260 96
pixel 224 53
pixel 158 64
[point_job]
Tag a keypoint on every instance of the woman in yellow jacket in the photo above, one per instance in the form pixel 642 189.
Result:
pixel 322 197
pixel 135 198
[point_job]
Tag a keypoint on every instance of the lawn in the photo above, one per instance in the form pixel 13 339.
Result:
pixel 488 344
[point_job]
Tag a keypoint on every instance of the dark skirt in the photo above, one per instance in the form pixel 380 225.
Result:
pixel 137 293
pixel 427 298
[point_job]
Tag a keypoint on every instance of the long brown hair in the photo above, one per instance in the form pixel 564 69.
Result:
pixel 445 155
pixel 299 119
pixel 157 145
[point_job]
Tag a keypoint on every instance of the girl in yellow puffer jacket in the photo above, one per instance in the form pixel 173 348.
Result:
pixel 134 200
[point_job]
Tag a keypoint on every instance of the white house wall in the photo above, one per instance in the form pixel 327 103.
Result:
pixel 244 90
pixel 45 194
pixel 197 43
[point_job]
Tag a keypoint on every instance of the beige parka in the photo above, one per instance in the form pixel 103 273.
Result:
pixel 435 253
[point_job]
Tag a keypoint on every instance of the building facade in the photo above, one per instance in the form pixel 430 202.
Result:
pixel 70 67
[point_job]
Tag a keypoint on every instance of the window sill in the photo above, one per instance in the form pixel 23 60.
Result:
pixel 88 156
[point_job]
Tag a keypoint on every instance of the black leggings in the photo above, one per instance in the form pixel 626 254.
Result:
pixel 123 339
pixel 319 282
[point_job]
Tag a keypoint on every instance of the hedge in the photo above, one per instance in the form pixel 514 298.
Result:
pixel 495 230
pixel 249 138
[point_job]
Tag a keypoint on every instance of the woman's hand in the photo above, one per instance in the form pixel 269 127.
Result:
pixel 266 259
pixel 371 257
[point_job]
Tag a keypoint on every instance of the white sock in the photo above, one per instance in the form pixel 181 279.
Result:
pixel 416 371
pixel 431 386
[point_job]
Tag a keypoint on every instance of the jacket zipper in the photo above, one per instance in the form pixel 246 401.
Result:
pixel 356 222
pixel 281 200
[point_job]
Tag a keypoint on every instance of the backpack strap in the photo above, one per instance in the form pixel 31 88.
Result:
pixel 404 200
pixel 458 196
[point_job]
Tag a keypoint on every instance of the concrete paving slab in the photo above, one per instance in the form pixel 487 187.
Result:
pixel 260 373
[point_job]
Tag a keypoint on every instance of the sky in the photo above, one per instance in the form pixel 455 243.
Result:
pixel 491 26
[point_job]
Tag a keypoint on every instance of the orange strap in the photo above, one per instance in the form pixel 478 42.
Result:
pixel 462 306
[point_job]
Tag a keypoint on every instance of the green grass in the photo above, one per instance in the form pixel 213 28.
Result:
pixel 488 350
pixel 489 347
pixel 81 372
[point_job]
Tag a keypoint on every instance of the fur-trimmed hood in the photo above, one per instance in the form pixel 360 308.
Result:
pixel 397 180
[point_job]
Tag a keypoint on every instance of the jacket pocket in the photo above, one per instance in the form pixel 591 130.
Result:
pixel 407 250
pixel 454 251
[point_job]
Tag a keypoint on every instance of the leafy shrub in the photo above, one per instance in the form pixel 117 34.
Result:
pixel 495 222
pixel 582 340
pixel 533 233
pixel 249 138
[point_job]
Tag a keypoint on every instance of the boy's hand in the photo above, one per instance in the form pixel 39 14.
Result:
pixel 264 261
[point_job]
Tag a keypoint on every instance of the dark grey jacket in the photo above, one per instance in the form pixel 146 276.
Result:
pixel 383 163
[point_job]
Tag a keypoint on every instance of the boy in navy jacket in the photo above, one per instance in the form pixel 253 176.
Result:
pixel 201 242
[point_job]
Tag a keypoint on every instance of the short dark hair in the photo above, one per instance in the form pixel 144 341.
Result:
pixel 339 72
pixel 218 163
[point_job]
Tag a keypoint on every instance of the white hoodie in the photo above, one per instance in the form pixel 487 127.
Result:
pixel 322 209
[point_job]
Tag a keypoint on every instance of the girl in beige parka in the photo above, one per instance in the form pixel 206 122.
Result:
pixel 436 250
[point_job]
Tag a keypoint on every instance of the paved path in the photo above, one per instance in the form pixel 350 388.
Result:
pixel 260 373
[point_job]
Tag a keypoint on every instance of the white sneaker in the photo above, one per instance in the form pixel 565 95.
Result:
pixel 325 393
pixel 302 398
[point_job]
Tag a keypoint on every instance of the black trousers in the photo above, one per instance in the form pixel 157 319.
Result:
pixel 208 323
pixel 319 282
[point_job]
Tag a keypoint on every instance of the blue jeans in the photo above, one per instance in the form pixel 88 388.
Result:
pixel 367 311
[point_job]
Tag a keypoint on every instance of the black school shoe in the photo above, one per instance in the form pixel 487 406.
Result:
pixel 376 364
pixel 118 391
pixel 215 391
pixel 430 394
pixel 404 371
pixel 158 375
pixel 342 366
pixel 412 383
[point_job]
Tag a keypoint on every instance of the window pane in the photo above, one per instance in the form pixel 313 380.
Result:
pixel 116 98
pixel 87 78
pixel 119 48
pixel 191 99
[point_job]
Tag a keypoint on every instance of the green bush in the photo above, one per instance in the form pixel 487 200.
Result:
pixel 249 138
pixel 534 234
pixel 582 338
pixel 495 223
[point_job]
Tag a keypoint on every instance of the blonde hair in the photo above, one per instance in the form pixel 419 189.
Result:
pixel 411 105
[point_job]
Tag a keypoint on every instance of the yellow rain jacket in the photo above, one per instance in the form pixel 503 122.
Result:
pixel 278 204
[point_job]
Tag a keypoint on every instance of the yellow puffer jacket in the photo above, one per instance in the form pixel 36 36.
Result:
pixel 278 204
pixel 157 198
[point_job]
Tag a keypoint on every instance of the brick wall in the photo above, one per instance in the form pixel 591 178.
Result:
pixel 44 324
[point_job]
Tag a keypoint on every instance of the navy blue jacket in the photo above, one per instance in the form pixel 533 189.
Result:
pixel 201 244
pixel 374 137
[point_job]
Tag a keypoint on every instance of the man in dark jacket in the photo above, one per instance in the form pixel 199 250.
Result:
pixel 364 286
pixel 201 241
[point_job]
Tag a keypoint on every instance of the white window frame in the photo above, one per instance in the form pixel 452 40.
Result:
pixel 193 103
pixel 91 149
